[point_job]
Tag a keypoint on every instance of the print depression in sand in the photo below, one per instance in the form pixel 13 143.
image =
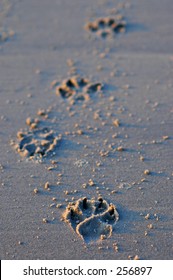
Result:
pixel 86 138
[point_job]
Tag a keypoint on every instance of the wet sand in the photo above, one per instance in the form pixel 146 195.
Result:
pixel 114 142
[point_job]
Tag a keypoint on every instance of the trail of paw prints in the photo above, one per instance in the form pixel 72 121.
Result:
pixel 92 220
pixel 77 88
pixel 38 140
pixel 107 26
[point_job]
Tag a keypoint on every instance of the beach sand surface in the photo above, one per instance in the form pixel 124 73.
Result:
pixel 121 139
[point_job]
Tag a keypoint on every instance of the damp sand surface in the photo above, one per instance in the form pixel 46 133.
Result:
pixel 113 142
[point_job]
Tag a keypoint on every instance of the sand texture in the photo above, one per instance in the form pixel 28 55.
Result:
pixel 86 138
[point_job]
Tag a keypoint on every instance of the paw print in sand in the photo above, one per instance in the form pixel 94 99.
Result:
pixel 36 142
pixel 5 35
pixel 77 88
pixel 92 220
pixel 107 26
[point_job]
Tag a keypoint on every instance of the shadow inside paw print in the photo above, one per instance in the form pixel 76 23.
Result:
pixel 77 88
pixel 107 26
pixel 92 220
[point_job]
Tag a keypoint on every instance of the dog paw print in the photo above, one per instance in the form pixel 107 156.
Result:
pixel 36 142
pixel 77 88
pixel 107 26
pixel 92 220
pixel 5 35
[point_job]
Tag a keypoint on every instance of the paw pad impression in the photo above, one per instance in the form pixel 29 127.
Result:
pixel 106 26
pixel 77 87
pixel 36 142
pixel 91 219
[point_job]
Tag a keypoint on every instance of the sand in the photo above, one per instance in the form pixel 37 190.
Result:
pixel 114 142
